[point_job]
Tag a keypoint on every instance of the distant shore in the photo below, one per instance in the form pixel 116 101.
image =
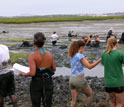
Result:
pixel 54 19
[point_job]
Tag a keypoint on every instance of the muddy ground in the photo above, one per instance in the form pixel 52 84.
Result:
pixel 81 28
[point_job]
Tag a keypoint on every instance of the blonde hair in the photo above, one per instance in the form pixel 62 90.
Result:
pixel 111 42
pixel 74 47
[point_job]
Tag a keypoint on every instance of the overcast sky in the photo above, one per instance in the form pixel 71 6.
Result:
pixel 45 7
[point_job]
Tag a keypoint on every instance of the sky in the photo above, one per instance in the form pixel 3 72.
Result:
pixel 49 7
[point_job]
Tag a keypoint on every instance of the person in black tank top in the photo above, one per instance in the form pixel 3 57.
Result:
pixel 42 67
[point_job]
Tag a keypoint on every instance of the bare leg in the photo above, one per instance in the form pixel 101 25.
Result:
pixel 112 99
pixel 88 92
pixel 1 102
pixel 13 99
pixel 74 94
pixel 119 99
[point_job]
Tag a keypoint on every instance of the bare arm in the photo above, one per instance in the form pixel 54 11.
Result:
pixel 53 65
pixel 88 40
pixel 32 67
pixel 88 65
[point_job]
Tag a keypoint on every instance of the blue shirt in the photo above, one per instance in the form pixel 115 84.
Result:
pixel 76 65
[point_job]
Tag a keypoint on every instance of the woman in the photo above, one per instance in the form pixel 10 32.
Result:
pixel 54 37
pixel 7 84
pixel 77 81
pixel 112 59
pixel 89 40
pixel 96 42
pixel 42 67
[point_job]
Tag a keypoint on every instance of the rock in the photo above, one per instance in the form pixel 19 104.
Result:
pixel 62 94
pixel 63 47
pixel 5 31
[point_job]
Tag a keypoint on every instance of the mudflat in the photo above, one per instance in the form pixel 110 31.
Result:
pixel 82 28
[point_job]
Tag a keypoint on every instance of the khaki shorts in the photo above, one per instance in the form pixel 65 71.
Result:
pixel 78 83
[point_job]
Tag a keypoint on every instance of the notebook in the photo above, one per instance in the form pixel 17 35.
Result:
pixel 17 68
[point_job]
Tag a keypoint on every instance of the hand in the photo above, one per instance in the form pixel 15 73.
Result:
pixel 99 60
pixel 90 61
pixel 22 74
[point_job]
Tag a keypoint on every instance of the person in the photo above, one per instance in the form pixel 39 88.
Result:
pixel 42 67
pixel 112 59
pixel 73 34
pixel 69 34
pixel 84 38
pixel 26 44
pixel 54 37
pixel 96 42
pixel 110 33
pixel 7 84
pixel 89 40
pixel 121 39
pixel 77 81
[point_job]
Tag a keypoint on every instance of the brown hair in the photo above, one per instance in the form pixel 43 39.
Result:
pixel 74 47
pixel 111 42
pixel 39 39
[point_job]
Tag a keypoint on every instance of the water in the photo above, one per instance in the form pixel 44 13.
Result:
pixel 97 71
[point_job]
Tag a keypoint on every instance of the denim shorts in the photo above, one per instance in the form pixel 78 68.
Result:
pixel 78 83
pixel 114 89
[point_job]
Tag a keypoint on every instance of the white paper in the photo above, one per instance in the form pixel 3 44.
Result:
pixel 17 68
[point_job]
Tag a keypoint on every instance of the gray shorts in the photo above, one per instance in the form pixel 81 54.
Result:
pixel 78 83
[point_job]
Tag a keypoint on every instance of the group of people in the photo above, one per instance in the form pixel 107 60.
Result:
pixel 89 41
pixel 42 67
pixel 112 60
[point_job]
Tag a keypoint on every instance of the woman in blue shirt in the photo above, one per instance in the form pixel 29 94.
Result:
pixel 77 81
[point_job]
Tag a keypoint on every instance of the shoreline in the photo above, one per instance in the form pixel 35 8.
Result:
pixel 55 19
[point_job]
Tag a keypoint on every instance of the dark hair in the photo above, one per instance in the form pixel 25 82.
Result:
pixel 96 36
pixel 91 36
pixel 54 32
pixel 75 46
pixel 39 39
pixel 83 37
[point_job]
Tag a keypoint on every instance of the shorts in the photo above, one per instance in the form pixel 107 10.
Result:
pixel 54 42
pixel 7 85
pixel 114 89
pixel 78 83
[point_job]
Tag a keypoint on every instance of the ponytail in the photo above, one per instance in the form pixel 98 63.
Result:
pixel 111 42
pixel 74 47
pixel 39 39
